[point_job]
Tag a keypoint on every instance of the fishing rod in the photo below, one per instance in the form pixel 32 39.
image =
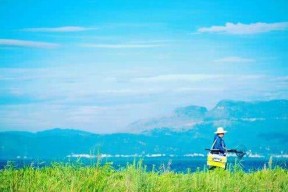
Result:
pixel 240 152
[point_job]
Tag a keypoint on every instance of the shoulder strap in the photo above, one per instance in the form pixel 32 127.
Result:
pixel 214 143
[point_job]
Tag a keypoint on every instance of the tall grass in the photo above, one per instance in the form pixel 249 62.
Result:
pixel 135 177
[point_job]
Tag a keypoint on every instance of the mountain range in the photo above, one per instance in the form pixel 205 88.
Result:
pixel 260 126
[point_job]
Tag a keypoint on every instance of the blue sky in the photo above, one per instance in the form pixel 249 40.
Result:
pixel 100 65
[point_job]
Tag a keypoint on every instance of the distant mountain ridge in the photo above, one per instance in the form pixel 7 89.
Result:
pixel 182 118
pixel 194 111
pixel 261 126
pixel 191 116
pixel 239 109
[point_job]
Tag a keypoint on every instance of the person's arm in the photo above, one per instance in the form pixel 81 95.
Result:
pixel 223 146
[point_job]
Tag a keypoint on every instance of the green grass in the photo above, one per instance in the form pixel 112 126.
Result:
pixel 75 177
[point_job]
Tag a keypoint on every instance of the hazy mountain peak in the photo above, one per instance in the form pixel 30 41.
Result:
pixel 228 109
pixel 192 111
pixel 182 118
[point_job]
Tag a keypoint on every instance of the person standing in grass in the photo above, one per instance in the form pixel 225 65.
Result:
pixel 218 142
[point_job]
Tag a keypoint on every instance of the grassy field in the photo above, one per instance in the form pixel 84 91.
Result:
pixel 134 177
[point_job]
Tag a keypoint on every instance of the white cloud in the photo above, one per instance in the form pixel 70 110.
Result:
pixel 198 89
pixel 130 91
pixel 122 46
pixel 240 28
pixel 234 60
pixel 281 78
pixel 23 43
pixel 176 77
pixel 62 97
pixel 59 29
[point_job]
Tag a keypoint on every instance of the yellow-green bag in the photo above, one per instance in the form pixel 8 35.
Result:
pixel 215 160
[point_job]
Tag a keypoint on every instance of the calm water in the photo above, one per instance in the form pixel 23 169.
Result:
pixel 160 163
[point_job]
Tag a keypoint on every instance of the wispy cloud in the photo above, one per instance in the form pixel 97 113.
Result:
pixel 123 46
pixel 59 29
pixel 198 80
pixel 24 43
pixel 77 101
pixel 241 29
pixel 234 60
pixel 177 77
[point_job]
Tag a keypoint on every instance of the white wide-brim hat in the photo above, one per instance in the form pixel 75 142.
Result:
pixel 220 130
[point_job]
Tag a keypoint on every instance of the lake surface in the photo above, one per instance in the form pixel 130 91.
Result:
pixel 177 164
